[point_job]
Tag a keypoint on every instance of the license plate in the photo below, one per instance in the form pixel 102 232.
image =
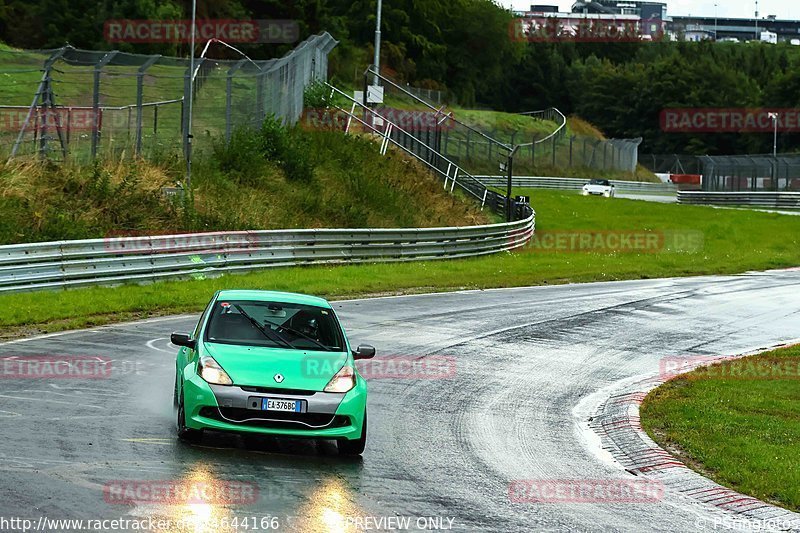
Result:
pixel 272 404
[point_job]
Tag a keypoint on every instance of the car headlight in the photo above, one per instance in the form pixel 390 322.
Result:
pixel 343 381
pixel 210 371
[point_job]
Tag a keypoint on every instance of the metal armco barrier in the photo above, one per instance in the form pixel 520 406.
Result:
pixel 774 200
pixel 117 260
pixel 575 183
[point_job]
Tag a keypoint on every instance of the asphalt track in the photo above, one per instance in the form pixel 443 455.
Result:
pixel 527 363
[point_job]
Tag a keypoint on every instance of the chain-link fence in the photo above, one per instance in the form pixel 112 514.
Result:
pixel 672 163
pixel 579 151
pixel 484 148
pixel 733 172
pixel 81 104
pixel 751 173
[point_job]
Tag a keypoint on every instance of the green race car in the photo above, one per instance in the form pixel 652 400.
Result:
pixel 271 363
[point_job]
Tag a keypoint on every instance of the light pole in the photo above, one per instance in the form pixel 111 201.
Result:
pixel 757 37
pixel 715 22
pixel 191 102
pixel 774 117
pixel 377 59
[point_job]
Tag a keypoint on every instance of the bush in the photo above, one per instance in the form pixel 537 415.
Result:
pixel 245 158
pixel 317 95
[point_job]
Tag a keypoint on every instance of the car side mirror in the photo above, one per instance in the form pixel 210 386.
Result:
pixel 365 351
pixel 182 339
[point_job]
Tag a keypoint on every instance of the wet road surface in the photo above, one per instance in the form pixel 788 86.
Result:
pixel 442 450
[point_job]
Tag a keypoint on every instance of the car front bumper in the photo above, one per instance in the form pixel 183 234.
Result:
pixel 232 408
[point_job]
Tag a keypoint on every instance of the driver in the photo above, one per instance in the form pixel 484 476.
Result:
pixel 310 328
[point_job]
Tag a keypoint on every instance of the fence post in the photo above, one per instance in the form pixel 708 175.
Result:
pixel 140 101
pixel 571 140
pixel 98 68
pixel 48 65
pixel 229 97
pixel 555 139
pixel 69 124
pixel 185 112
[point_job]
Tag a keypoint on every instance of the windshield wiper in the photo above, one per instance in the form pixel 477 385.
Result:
pixel 304 336
pixel 274 337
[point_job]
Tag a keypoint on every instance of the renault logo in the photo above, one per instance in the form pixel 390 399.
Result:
pixel 279 378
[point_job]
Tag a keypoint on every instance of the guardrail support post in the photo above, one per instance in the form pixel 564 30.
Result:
pixel 510 163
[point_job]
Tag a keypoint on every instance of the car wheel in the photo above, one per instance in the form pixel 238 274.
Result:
pixel 184 433
pixel 354 447
pixel 175 393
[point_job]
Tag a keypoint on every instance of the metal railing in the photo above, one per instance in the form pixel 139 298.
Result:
pixel 535 182
pixel 774 200
pixel 551 114
pixel 454 175
pixel 65 264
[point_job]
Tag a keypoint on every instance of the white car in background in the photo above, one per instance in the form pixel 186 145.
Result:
pixel 598 187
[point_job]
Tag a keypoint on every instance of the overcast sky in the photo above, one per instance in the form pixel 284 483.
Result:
pixel 784 9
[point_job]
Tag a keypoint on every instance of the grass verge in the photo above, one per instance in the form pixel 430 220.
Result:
pixel 737 422
pixel 732 241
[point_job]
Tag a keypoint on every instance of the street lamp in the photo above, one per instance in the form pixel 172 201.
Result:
pixel 377 59
pixel 715 22
pixel 191 102
pixel 774 117
pixel 757 37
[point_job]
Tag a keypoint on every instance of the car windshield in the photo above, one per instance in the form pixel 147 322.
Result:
pixel 598 182
pixel 274 324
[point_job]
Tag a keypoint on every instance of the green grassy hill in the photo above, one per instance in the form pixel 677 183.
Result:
pixel 270 180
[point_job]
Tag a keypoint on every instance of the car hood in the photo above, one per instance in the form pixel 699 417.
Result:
pixel 256 366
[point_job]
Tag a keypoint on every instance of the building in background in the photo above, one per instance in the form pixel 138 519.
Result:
pixel 654 22
pixel 735 29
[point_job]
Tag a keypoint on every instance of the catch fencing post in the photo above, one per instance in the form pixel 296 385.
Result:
pixel 571 140
pixel 43 83
pixel 229 97
pixel 140 101
pixel 98 70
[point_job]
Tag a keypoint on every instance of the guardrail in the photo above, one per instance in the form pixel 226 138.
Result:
pixel 774 200
pixel 65 264
pixel 532 182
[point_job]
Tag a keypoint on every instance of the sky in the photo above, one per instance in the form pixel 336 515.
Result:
pixel 784 9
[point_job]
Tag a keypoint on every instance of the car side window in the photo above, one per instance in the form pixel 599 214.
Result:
pixel 196 333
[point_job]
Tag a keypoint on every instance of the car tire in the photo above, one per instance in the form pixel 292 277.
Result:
pixel 354 447
pixel 184 433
